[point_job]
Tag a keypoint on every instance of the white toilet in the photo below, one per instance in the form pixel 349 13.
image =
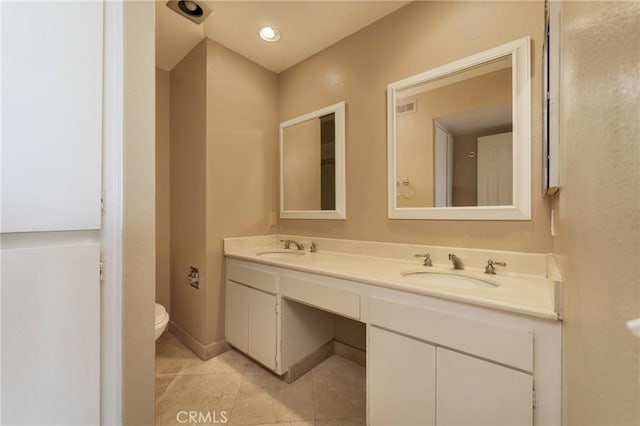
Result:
pixel 162 319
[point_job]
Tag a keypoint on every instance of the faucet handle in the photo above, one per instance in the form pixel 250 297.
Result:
pixel 314 247
pixel 457 263
pixel 427 258
pixel 287 243
pixel 490 268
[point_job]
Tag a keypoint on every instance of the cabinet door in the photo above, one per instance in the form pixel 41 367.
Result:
pixel 402 377
pixel 51 335
pixel 471 391
pixel 237 315
pixel 262 327
pixel 51 115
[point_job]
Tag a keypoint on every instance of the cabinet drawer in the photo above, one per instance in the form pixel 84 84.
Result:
pixel 314 293
pixel 506 346
pixel 252 276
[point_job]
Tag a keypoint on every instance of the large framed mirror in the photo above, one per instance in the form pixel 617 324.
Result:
pixel 459 139
pixel 312 165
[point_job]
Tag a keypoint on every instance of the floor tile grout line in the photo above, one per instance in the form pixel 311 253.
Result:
pixel 159 399
pixel 235 398
pixel 313 395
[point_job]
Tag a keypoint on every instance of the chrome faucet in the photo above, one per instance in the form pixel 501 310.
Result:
pixel 299 246
pixel 490 269
pixel 457 263
pixel 287 244
pixel 427 259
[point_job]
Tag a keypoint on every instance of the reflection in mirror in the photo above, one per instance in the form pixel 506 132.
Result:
pixel 453 139
pixel 312 165
pixel 309 164
pixel 459 139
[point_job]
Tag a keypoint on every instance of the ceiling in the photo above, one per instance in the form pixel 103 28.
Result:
pixel 306 28
pixel 478 120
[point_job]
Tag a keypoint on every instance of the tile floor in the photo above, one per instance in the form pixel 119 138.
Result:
pixel 332 394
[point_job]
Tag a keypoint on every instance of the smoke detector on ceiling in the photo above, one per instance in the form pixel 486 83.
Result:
pixel 194 10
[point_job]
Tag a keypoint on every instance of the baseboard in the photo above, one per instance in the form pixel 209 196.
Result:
pixel 204 352
pixel 296 371
pixel 350 352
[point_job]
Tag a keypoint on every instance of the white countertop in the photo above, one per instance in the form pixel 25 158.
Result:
pixel 527 294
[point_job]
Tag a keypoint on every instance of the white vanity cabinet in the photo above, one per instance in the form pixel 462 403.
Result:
pixel 430 361
pixel 412 382
pixel 250 314
pixel 444 369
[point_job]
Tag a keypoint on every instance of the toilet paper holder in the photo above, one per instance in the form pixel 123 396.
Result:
pixel 194 277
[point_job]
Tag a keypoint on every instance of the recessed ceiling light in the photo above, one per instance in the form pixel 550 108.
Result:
pixel 194 10
pixel 269 34
pixel 190 8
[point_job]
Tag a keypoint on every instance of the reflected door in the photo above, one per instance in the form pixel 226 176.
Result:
pixel 495 170
pixel 443 166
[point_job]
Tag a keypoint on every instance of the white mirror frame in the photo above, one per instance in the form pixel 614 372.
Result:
pixel 341 211
pixel 521 114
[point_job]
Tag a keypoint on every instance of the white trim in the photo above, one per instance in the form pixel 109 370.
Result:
pixel 521 209
pixel 112 223
pixel 486 69
pixel 1 237
pixel 341 210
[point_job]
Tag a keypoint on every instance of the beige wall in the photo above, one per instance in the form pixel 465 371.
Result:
pixel 139 214
pixel 418 37
pixel 163 260
pixel 415 152
pixel 188 194
pixel 598 211
pixel 224 160
pixel 350 331
pixel 242 162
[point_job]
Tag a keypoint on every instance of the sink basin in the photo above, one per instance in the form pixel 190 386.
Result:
pixel 441 279
pixel 281 254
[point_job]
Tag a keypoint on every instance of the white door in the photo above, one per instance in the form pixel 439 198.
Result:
pixel 51 115
pixel 471 391
pixel 262 327
pixel 401 380
pixel 51 334
pixel 495 170
pixel 237 315
pixel 51 174
pixel 443 166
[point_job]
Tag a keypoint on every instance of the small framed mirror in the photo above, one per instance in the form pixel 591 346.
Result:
pixel 459 139
pixel 312 165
